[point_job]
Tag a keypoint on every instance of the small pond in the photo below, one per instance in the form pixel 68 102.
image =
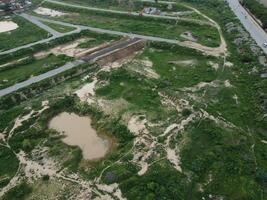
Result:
pixel 79 132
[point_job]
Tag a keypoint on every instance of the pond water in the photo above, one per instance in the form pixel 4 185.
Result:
pixel 79 132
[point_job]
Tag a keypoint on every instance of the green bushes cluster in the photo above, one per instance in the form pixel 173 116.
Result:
pixel 258 10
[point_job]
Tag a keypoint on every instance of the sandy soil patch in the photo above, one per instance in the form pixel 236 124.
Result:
pixel 174 158
pixel 227 84
pixel 6 26
pixel 201 85
pixel 14 62
pixel 184 63
pixel 228 64
pixel 115 65
pixel 146 62
pixel 143 67
pixel 71 49
pixel 87 92
pixel 113 107
pixel 235 97
pixel 137 125
pixel 49 12
pixel 215 66
pixel 34 170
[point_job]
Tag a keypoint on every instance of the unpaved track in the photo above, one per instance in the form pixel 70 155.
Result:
pixel 217 51
pixel 213 51
pixel 201 22
pixel 36 22
pixel 208 50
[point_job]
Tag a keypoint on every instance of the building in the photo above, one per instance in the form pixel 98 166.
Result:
pixel 12 5
pixel 7 5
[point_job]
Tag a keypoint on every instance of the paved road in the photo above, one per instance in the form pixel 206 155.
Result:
pixel 207 50
pixel 41 25
pixel 38 23
pixel 67 66
pixel 201 22
pixel 38 42
pixel 255 30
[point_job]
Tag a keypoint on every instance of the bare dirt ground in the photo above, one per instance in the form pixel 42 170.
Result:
pixel 71 49
pixel 6 26
pixel 49 12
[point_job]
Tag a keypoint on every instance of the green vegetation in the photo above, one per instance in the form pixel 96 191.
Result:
pixel 205 34
pixel 98 39
pixel 45 46
pixel 151 186
pixel 22 35
pixel 8 167
pixel 221 134
pixel 257 9
pixel 124 5
pixel 32 67
pixel 21 192
pixel 59 28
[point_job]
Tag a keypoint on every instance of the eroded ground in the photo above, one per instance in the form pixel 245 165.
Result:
pixel 185 124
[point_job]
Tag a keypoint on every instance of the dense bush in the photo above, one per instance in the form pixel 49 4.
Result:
pixel 18 192
pixel 258 10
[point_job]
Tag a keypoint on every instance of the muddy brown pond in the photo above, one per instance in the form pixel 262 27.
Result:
pixel 79 132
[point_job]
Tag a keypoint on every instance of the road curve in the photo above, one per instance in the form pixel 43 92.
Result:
pixel 67 66
pixel 213 51
pixel 178 18
pixel 37 22
pixel 255 30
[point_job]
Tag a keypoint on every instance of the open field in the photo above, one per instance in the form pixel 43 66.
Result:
pixel 204 34
pixel 31 67
pixel 22 35
pixel 175 123
pixel 136 6
pixel 59 28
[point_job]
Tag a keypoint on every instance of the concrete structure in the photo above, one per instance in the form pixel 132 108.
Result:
pixel 7 5
pixel 12 5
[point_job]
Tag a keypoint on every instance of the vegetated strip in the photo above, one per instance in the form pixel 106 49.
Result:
pixel 66 67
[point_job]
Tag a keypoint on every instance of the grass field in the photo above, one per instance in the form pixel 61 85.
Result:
pixel 24 34
pixel 136 6
pixel 59 28
pixel 197 122
pixel 204 34
pixel 15 74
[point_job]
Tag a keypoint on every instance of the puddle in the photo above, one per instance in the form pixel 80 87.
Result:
pixel 78 132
